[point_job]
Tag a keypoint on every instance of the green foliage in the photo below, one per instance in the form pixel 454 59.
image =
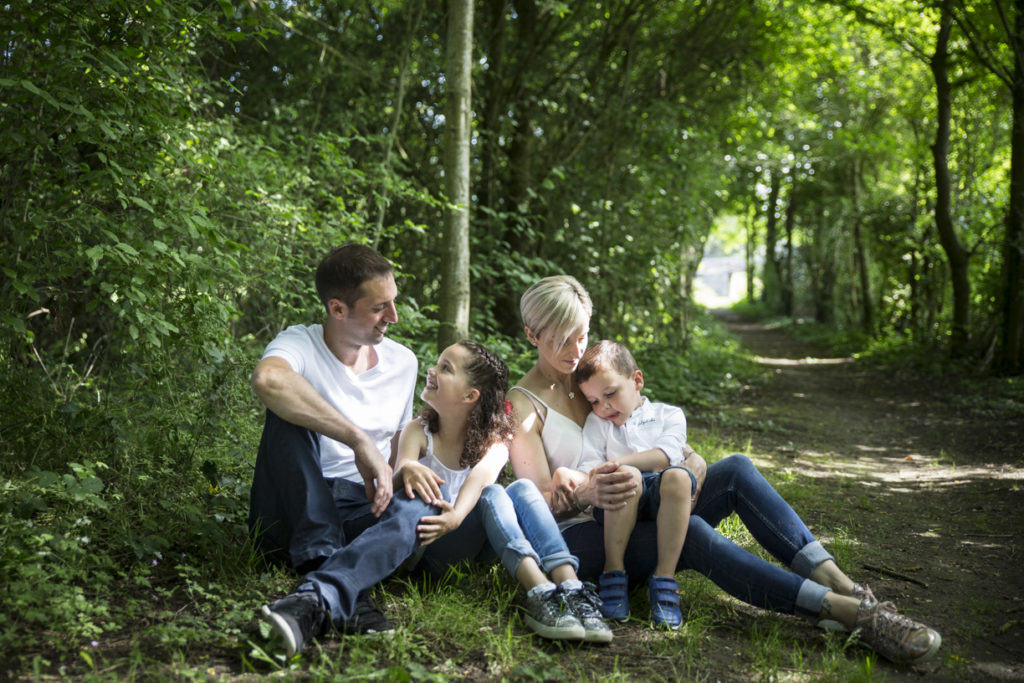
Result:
pixel 171 172
pixel 701 377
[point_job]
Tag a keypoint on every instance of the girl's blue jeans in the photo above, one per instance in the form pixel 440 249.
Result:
pixel 732 484
pixel 518 524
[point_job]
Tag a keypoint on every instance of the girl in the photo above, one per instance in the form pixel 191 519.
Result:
pixel 451 456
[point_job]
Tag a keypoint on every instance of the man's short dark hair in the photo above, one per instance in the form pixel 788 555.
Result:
pixel 342 272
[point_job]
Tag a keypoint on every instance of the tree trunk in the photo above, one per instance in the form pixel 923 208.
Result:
pixel 787 280
pixel 956 254
pixel 751 242
pixel 770 291
pixel 1013 244
pixel 454 309
pixel 860 259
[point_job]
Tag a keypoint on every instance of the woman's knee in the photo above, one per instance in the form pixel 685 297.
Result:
pixel 737 467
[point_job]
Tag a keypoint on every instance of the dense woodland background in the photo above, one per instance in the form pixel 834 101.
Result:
pixel 171 171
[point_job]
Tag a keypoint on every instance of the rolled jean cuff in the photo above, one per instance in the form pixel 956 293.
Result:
pixel 557 560
pixel 810 598
pixel 328 594
pixel 514 553
pixel 809 557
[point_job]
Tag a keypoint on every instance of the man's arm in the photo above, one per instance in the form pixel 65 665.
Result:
pixel 294 399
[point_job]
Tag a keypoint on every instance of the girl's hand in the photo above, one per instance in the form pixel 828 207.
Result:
pixel 432 528
pixel 420 480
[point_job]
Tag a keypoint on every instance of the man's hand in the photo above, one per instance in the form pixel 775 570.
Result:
pixel 432 528
pixel 420 480
pixel 376 474
pixel 611 486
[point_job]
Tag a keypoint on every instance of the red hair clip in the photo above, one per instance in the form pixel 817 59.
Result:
pixel 508 408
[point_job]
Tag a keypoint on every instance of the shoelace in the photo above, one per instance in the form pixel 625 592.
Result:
pixel 589 594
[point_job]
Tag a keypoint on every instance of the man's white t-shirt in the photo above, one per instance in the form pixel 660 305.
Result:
pixel 378 401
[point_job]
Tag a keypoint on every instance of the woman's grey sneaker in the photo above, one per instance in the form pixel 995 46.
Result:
pixel 549 615
pixel 585 604
pixel 296 619
pixel 861 591
pixel 897 638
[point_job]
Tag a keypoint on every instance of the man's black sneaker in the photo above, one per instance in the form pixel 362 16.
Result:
pixel 368 619
pixel 296 619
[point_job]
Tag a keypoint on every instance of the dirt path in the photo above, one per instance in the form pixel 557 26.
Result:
pixel 929 483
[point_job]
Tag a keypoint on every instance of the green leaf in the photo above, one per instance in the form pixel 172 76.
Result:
pixel 139 201
pixel 31 87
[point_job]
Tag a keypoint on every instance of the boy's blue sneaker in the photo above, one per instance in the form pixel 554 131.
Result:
pixel 664 593
pixel 613 588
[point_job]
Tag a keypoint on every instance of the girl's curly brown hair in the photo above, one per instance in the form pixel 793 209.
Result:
pixel 490 421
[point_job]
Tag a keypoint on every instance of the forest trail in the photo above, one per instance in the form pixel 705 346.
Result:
pixel 927 481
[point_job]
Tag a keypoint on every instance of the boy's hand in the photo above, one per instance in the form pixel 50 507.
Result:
pixel 432 528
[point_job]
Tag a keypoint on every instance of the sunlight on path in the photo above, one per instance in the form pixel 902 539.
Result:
pixel 802 361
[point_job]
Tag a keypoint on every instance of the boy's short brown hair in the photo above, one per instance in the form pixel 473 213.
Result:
pixel 605 354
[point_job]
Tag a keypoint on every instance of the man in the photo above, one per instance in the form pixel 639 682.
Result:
pixel 337 395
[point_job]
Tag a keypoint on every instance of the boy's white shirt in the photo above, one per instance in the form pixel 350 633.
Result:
pixel 651 425
pixel 378 401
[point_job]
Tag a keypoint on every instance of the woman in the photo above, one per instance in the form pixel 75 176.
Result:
pixel 551 410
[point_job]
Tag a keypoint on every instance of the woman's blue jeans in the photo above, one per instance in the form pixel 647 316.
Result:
pixel 732 484
pixel 518 524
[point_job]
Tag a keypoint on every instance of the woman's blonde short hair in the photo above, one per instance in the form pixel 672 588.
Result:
pixel 558 303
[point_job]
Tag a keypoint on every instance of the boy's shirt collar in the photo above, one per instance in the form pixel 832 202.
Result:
pixel 639 413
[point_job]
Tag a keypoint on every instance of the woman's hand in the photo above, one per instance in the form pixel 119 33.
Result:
pixel 699 468
pixel 432 528
pixel 610 486
pixel 420 480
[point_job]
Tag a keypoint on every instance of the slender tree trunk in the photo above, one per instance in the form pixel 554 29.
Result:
pixel 956 254
pixel 1013 245
pixel 860 258
pixel 770 291
pixel 455 293
pixel 787 280
pixel 751 241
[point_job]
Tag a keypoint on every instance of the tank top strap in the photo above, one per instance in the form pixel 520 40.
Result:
pixel 535 400
pixel 430 440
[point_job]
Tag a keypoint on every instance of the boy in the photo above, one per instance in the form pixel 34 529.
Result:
pixel 650 439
